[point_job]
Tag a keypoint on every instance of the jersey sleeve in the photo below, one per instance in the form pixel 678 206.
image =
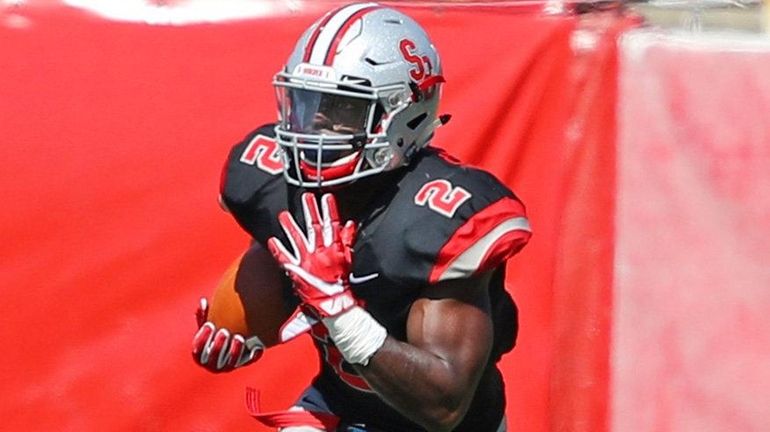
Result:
pixel 252 188
pixel 483 242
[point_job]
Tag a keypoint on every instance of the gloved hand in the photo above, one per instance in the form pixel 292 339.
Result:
pixel 219 351
pixel 321 258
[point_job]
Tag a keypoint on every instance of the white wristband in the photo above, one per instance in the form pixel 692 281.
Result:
pixel 356 334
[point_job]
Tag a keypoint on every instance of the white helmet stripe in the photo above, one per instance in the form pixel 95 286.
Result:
pixel 327 35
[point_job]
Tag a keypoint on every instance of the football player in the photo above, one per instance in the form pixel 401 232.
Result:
pixel 394 251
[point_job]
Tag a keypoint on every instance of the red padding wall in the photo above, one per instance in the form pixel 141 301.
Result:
pixel 691 329
pixel 113 138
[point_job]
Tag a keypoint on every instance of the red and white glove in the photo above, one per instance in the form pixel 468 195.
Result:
pixel 320 261
pixel 320 268
pixel 219 351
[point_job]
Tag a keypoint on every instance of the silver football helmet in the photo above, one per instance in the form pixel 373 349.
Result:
pixel 358 96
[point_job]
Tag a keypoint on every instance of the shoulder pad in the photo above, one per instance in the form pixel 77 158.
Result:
pixel 252 188
pixel 452 222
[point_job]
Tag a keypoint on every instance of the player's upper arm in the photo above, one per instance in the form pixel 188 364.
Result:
pixel 451 320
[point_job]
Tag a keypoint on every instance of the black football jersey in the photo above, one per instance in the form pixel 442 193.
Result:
pixel 431 221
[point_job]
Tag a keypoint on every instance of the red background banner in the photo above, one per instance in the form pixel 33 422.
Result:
pixel 114 134
pixel 692 333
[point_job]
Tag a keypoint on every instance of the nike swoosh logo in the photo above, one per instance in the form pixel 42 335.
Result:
pixel 355 280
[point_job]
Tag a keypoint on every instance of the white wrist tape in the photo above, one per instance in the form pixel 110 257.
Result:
pixel 356 334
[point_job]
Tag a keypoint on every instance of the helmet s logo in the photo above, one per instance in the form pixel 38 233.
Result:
pixel 421 65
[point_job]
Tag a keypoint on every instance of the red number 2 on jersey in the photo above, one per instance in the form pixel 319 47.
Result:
pixel 263 152
pixel 441 197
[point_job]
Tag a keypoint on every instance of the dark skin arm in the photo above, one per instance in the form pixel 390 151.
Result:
pixel 432 377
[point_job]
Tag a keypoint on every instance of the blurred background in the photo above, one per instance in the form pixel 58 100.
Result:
pixel 636 133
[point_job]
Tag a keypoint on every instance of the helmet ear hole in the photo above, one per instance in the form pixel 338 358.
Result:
pixel 415 122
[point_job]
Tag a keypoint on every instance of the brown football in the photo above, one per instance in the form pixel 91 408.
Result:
pixel 249 298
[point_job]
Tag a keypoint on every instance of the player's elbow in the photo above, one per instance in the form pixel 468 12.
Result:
pixel 447 423
pixel 444 423
pixel 445 418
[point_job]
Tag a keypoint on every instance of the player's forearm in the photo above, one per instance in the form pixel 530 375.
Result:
pixel 420 385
